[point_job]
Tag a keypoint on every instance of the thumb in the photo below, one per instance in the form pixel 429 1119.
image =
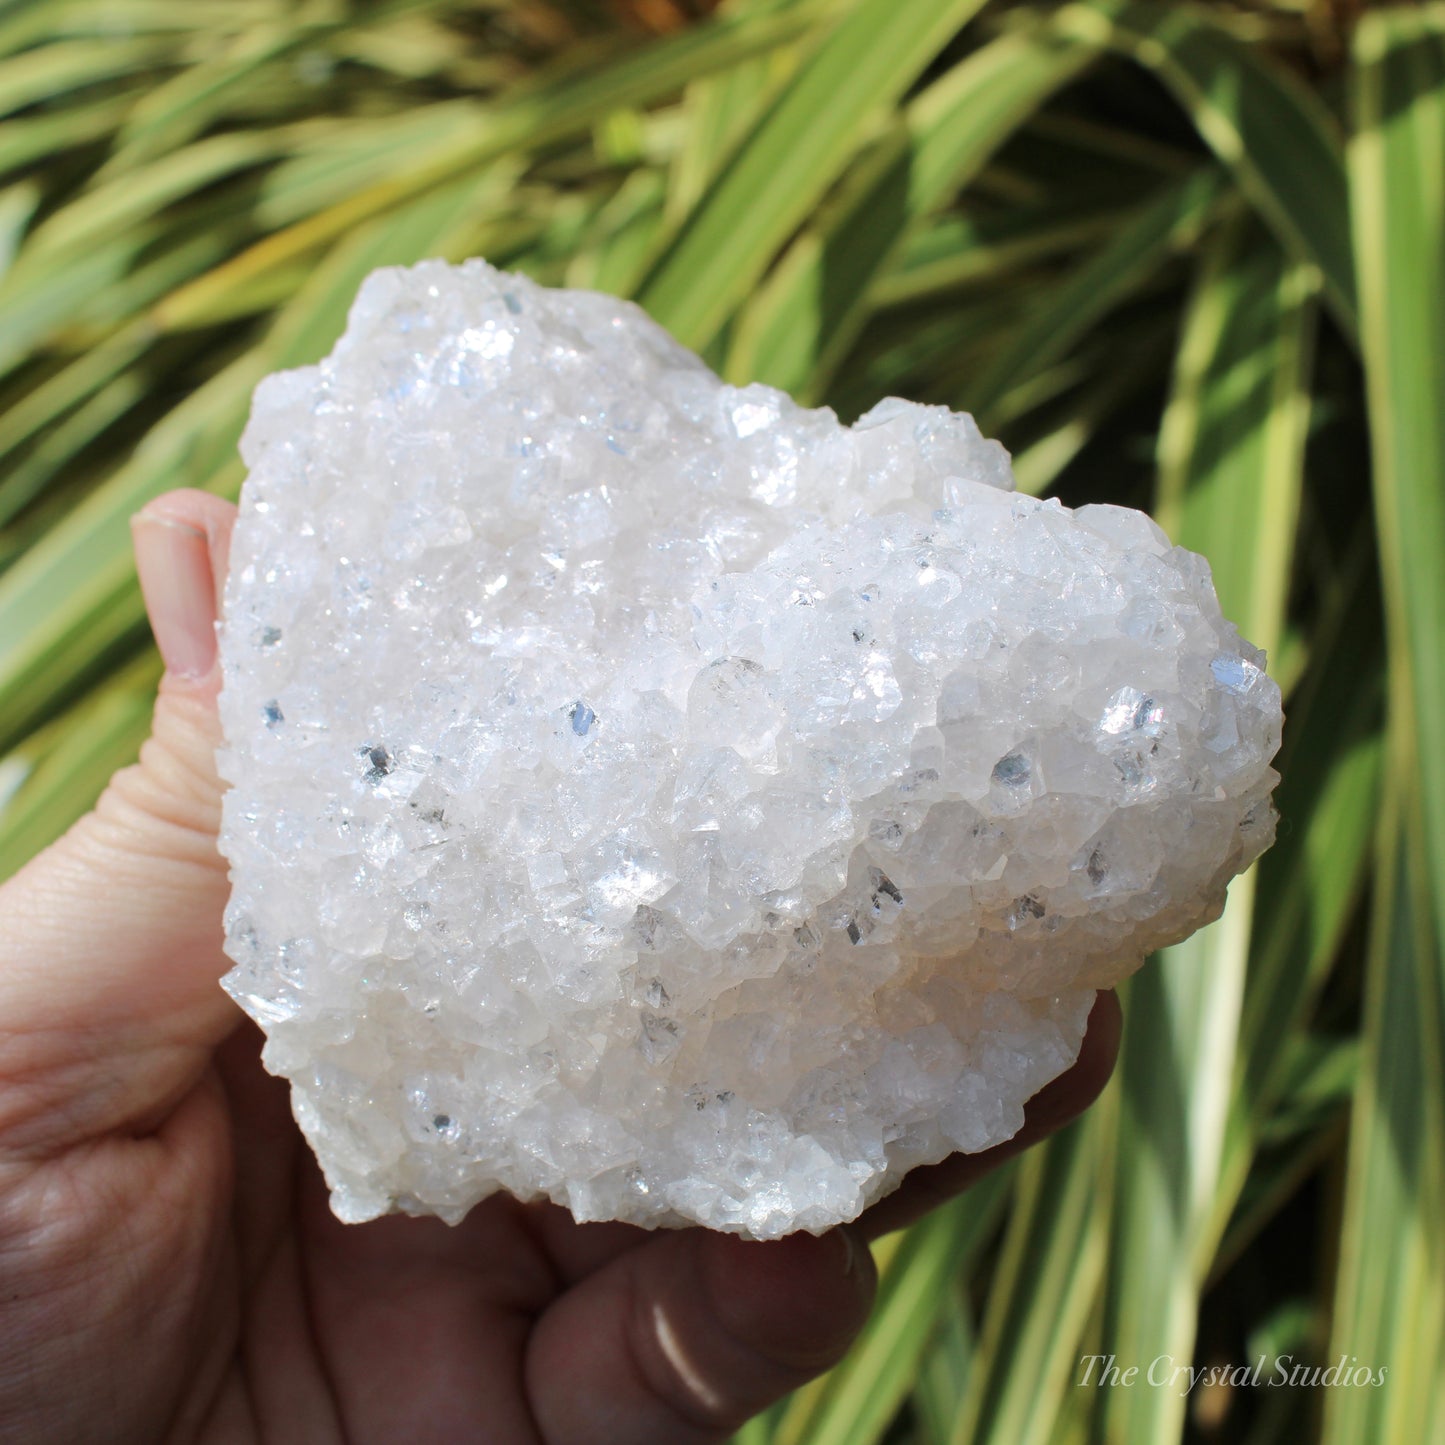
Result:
pixel 110 941
pixel 690 1334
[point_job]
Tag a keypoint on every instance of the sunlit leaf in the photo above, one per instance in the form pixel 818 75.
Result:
pixel 855 1403
pixel 1389 1308
pixel 802 143
pixel 813 305
pixel 1273 133
pixel 1231 464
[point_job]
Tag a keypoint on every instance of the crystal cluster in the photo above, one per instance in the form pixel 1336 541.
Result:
pixel 655 796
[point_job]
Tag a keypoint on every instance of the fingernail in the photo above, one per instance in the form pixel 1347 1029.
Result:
pixel 174 564
pixel 850 1252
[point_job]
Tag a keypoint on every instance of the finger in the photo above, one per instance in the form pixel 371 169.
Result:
pixel 110 941
pixel 688 1336
pixel 181 542
pixel 577 1250
pixel 1055 1105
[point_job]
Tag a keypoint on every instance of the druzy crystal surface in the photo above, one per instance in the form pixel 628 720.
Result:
pixel 655 796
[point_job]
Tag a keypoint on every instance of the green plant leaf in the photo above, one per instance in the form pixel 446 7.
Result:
pixel 1397 174
pixel 32 311
pixel 1312 1108
pixel 41 135
pixel 26 481
pixel 26 23
pixel 944 1372
pixel 17 205
pixel 811 307
pixel 1162 228
pixel 1273 133
pixel 65 389
pixel 958 251
pixel 67 66
pixel 336 161
pixel 1116 367
pixel 854 1403
pixel 1389 1308
pixel 121 203
pixel 794 153
pixel 1045 1288
pixel 1231 456
pixel 564 103
pixel 621 237
pixel 1312 880
pixel 67 764
pixel 718 112
pixel 170 115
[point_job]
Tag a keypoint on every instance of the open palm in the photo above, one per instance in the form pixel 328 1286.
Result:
pixel 169 1268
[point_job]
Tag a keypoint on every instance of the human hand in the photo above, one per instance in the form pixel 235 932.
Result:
pixel 171 1271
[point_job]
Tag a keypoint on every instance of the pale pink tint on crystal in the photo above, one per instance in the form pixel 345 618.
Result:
pixel 654 796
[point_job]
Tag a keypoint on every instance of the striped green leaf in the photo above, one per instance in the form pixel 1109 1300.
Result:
pixel 793 154
pixel 1389 1308
pixel 41 134
pixel 1397 174
pixel 25 23
pixel 958 251
pixel 945 1371
pixel 1046 1285
pixel 56 70
pixel 1140 245
pixel 719 111
pixel 1231 465
pixel 65 389
pixel 1274 134
pixel 1110 373
pixel 17 205
pixel 854 1404
pixel 62 769
pixel 551 108
pixel 171 115
pixel 1317 1077
pixel 793 332
pixel 1314 877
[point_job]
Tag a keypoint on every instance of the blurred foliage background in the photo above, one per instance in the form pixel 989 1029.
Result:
pixel 1188 258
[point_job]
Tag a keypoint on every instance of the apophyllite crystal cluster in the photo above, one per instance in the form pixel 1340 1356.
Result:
pixel 655 796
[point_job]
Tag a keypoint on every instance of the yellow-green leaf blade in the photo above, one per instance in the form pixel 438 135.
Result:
pixel 1273 133
pixel 816 299
pixel 1231 468
pixel 1389 1308
pixel 795 152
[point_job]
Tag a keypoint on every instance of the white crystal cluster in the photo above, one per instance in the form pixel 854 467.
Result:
pixel 652 795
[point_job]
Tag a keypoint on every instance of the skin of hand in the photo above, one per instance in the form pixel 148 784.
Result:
pixel 169 1268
